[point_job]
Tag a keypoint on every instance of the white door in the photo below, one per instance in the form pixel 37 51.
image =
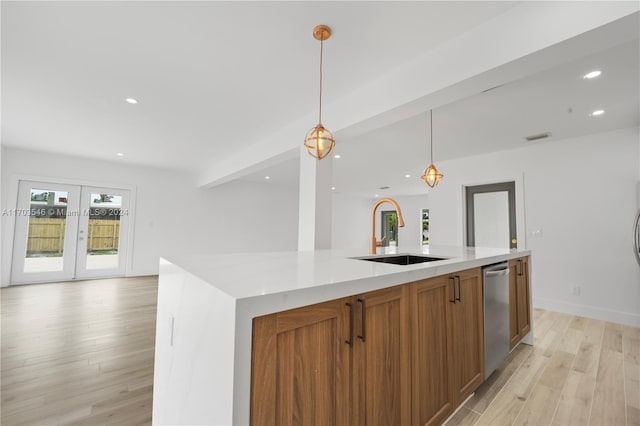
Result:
pixel 64 232
pixel 491 215
pixel 102 232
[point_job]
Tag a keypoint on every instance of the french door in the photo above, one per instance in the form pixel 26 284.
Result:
pixel 66 232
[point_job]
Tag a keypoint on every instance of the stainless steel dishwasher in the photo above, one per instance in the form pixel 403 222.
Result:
pixel 495 295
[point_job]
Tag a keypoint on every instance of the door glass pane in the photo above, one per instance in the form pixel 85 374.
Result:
pixel 103 234
pixel 45 237
pixel 425 227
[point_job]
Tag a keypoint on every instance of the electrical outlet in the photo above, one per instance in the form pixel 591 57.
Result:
pixel 576 290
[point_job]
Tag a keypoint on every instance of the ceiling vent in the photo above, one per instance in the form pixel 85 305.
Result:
pixel 538 136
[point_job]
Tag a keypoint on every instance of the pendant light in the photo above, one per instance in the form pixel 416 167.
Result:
pixel 319 141
pixel 431 175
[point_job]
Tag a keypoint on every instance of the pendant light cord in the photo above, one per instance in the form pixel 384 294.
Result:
pixel 320 109
pixel 431 130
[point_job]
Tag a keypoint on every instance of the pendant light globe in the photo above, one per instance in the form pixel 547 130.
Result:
pixel 431 175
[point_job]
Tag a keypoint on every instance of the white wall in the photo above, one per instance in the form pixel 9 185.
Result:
pixel 351 227
pixel 171 214
pixel 584 218
pixel 352 220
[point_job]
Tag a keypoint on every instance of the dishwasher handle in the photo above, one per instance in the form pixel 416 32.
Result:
pixel 497 272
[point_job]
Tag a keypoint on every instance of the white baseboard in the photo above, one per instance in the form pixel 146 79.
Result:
pixel 594 312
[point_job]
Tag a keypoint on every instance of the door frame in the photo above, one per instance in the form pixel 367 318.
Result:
pixel 12 203
pixel 470 191
pixel 521 222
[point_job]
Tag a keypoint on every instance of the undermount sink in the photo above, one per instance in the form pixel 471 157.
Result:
pixel 403 259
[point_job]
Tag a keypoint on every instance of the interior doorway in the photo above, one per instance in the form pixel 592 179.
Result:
pixel 491 215
pixel 66 232
pixel 389 225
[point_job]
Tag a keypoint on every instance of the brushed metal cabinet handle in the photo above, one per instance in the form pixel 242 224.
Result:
pixel 363 324
pixel 351 314
pixel 452 286
pixel 458 288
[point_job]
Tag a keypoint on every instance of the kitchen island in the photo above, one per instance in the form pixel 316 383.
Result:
pixel 207 304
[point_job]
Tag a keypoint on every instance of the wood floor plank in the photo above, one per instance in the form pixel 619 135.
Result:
pixel 575 401
pixel 632 384
pixel 633 416
pixel 555 373
pixel 609 400
pixel 571 340
pixel 612 337
pixel 578 323
pixel 525 378
pixel 587 358
pixel 594 331
pixel 485 394
pixel 503 410
pixel 463 417
pixel 540 406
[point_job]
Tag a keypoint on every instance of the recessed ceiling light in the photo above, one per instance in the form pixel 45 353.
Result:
pixel 337 156
pixel 407 176
pixel 592 74
pixel 119 154
pixel 376 195
pixel 267 177
pixel 597 112
pixel 131 101
pixel 333 188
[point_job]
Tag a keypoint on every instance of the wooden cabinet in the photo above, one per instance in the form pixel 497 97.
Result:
pixel 301 366
pixel 336 363
pixel 467 333
pixel 448 345
pixel 398 356
pixel 432 389
pixel 382 358
pixel 519 305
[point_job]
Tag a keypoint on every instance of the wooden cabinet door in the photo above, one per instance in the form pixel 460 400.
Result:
pixel 382 358
pixel 468 334
pixel 523 297
pixel 431 353
pixel 514 333
pixel 301 366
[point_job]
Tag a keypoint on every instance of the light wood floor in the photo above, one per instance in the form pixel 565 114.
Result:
pixel 78 352
pixel 82 353
pixel 578 372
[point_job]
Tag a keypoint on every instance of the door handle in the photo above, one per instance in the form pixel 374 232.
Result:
pixel 457 280
pixel 351 314
pixel 363 324
pixel 497 272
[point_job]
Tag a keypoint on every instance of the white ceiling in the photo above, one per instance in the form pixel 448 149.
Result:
pixel 210 77
pixel 214 77
pixel 558 100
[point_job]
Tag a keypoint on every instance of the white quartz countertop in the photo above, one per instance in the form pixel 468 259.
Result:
pixel 251 275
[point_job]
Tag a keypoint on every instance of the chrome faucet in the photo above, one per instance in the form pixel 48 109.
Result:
pixel 374 242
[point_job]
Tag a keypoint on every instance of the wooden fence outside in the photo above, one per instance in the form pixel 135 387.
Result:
pixel 46 235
